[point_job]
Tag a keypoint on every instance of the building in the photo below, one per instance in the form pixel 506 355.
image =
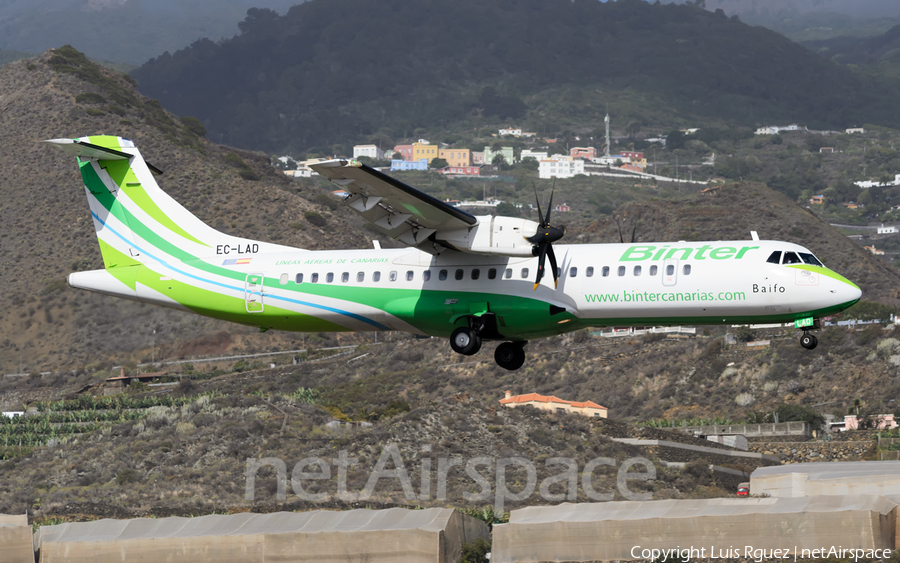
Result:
pixel 817 200
pixel 406 151
pixel 588 153
pixel 537 155
pixel 876 252
pixel 370 151
pixel 512 132
pixel 456 157
pixel 477 157
pixel 879 421
pixel 422 149
pixel 850 205
pixel 506 152
pixel 420 164
pixel 889 230
pixel 775 129
pixel 826 149
pixel 563 208
pixel 554 404
pixel 461 170
pixel 855 130
pixel 560 166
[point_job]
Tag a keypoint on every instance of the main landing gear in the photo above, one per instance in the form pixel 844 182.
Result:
pixel 466 340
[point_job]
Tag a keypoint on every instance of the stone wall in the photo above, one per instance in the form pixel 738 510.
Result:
pixel 796 452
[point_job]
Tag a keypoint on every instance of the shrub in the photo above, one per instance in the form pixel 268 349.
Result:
pixel 315 218
pixel 90 98
pixel 327 201
pixel 194 125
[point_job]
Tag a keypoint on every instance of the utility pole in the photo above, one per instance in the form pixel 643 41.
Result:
pixel 606 120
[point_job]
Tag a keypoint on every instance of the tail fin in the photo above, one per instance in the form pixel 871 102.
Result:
pixel 136 222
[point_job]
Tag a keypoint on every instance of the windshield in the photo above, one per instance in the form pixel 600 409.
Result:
pixel 810 259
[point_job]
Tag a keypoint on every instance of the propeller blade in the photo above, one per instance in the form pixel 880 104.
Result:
pixel 553 266
pixel 538 201
pixel 540 270
pixel 634 230
pixel 550 203
pixel 619 228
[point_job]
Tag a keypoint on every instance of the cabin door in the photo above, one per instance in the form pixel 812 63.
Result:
pixel 253 293
pixel 670 272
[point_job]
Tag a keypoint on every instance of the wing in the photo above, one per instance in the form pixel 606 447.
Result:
pixel 394 208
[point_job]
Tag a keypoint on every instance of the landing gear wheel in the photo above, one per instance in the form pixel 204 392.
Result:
pixel 465 341
pixel 509 355
pixel 808 341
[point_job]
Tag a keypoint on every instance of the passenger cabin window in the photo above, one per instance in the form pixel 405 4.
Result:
pixel 329 277
pixel 426 275
pixel 360 277
pixel 810 259
pixel 686 270
pixel 605 271
pixel 524 273
pixel 376 276
pixel 621 271
pixel 314 278
pixel 573 272
pixel 508 273
pixel 298 278
pixel 442 275
pixel 653 270
pixel 774 258
pixel 589 271
pixel 345 277
pixel 283 279
pixel 791 258
pixel 459 274
pixel 393 275
pixel 637 270
pixel 670 270
pixel 476 273
pixel 410 275
pixel 492 274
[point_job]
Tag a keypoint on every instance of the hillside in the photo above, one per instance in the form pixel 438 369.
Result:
pixel 49 234
pixel 122 31
pixel 299 82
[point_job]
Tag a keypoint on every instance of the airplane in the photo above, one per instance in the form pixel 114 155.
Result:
pixel 467 278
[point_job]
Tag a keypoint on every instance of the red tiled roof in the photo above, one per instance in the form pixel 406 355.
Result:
pixel 534 397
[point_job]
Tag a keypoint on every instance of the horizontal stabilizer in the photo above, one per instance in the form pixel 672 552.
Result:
pixel 84 149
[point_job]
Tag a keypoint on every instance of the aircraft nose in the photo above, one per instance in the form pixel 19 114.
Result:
pixel 847 292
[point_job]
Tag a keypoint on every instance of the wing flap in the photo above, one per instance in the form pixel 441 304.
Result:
pixel 394 208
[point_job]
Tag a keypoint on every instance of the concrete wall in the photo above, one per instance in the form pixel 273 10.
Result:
pixel 752 430
pixel 827 478
pixel 797 452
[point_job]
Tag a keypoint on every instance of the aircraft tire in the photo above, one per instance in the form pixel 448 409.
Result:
pixel 465 341
pixel 509 355
pixel 808 341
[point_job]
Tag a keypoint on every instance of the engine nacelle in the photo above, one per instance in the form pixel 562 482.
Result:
pixel 497 236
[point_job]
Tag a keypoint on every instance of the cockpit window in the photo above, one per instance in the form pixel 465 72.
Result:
pixel 791 258
pixel 810 259
pixel 775 258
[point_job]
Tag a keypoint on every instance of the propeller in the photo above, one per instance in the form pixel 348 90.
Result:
pixel 543 240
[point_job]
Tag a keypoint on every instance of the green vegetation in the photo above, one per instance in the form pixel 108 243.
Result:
pixel 490 62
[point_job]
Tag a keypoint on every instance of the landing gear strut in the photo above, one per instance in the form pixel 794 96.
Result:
pixel 808 341
pixel 510 355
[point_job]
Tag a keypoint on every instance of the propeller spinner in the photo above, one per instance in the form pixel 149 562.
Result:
pixel 543 241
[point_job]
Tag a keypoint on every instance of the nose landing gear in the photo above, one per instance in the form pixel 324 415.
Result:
pixel 808 341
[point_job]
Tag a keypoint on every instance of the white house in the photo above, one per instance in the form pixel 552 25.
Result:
pixel 855 130
pixel 511 132
pixel 370 151
pixel 775 129
pixel 882 230
pixel 872 183
pixel 537 155
pixel 560 167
